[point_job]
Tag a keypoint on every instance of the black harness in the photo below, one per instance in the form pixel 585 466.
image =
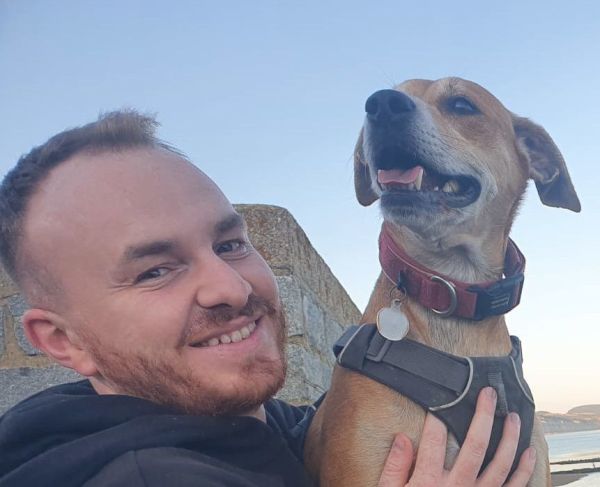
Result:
pixel 444 384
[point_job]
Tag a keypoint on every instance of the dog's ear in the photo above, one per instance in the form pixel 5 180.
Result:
pixel 362 177
pixel 546 165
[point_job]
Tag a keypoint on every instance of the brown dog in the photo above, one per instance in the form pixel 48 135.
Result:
pixel 450 165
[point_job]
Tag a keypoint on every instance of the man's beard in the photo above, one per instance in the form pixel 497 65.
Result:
pixel 153 377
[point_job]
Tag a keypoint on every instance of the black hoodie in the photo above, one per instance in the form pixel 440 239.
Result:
pixel 70 436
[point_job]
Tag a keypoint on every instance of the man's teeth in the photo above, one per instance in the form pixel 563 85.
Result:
pixel 233 337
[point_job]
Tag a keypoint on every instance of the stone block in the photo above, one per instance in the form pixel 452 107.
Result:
pixel 307 367
pixel 291 297
pixel 284 245
pixel 7 286
pixel 299 393
pixel 333 331
pixel 1 330
pixel 315 322
pixel 17 307
pixel 18 384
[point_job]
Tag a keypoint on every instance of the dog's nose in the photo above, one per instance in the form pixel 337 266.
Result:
pixel 388 106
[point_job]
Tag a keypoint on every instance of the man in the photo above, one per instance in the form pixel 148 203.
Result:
pixel 140 277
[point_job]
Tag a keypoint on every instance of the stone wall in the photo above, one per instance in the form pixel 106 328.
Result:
pixel 316 306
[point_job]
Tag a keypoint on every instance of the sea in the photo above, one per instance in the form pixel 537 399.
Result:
pixel 578 445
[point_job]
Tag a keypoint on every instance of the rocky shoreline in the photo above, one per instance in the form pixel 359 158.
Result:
pixel 582 418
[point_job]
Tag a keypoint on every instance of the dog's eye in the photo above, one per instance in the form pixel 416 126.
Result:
pixel 462 106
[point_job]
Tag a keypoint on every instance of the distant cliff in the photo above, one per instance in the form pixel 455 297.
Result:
pixel 593 409
pixel 580 418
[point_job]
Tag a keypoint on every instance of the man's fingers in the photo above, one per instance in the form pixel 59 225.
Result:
pixel 473 450
pixel 432 451
pixel 429 465
pixel 522 474
pixel 498 469
pixel 398 464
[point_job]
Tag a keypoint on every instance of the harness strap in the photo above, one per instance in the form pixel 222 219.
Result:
pixel 435 366
pixel 446 385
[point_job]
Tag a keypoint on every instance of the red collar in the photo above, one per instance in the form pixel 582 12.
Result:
pixel 448 297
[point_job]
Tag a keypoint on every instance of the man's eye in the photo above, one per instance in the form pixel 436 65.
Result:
pixel 155 273
pixel 235 247
pixel 462 106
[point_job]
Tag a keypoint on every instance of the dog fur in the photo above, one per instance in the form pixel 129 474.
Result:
pixel 354 427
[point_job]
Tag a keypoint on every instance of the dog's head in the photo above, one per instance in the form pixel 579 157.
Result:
pixel 445 156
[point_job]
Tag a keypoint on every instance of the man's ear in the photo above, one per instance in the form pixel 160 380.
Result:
pixel 47 332
pixel 362 177
pixel 546 165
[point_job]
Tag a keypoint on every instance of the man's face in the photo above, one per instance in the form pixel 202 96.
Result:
pixel 162 287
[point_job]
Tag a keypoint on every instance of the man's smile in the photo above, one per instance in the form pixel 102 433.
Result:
pixel 231 332
pixel 226 338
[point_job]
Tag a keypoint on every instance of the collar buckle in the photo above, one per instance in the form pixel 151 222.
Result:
pixel 499 298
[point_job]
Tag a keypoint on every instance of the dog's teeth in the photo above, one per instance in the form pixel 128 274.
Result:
pixel 451 186
pixel 411 187
pixel 436 188
pixel 419 181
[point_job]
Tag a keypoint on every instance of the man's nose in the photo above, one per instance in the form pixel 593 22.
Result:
pixel 222 285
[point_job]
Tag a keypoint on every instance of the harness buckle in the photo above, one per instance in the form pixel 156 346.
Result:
pixel 378 348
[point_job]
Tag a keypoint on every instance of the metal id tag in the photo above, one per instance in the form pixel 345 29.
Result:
pixel 392 323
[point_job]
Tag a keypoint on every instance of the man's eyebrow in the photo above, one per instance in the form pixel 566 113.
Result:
pixel 158 247
pixel 139 251
pixel 235 220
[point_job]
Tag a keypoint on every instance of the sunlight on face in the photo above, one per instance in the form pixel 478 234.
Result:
pixel 170 299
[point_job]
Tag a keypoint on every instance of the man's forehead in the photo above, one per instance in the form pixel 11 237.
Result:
pixel 117 168
pixel 103 195
pixel 122 178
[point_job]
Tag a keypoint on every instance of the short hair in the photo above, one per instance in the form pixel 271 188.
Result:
pixel 114 131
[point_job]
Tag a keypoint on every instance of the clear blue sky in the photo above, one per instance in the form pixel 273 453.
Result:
pixel 267 97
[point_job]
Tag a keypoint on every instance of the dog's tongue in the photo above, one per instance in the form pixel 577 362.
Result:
pixel 399 176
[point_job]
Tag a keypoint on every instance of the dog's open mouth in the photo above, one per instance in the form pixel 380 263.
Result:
pixel 420 186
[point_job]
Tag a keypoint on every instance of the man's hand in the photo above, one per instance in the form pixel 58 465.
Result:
pixel 429 465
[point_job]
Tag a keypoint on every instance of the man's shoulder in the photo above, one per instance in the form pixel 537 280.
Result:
pixel 176 466
pixel 53 393
pixel 292 422
pixel 284 414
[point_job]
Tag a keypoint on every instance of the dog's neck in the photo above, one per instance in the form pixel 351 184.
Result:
pixel 462 258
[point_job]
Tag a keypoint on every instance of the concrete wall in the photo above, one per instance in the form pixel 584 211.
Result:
pixel 316 306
